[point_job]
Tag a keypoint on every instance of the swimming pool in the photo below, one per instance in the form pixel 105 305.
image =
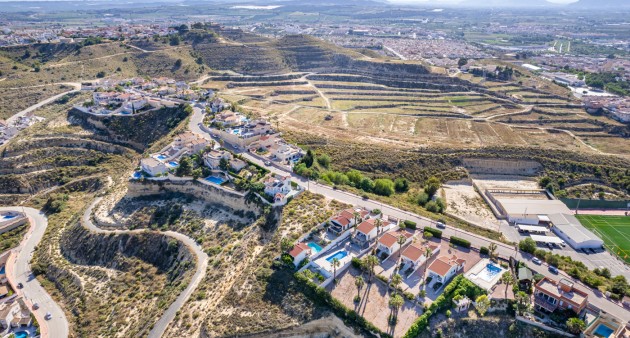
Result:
pixel 314 246
pixel 161 157
pixel 2 270
pixel 21 334
pixel 7 217
pixel 214 179
pixel 173 163
pixel 339 255
pixel 137 175
pixel 489 272
pixel 603 331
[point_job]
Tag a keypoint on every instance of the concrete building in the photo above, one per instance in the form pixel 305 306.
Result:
pixel 153 167
pixel 388 243
pixel 529 211
pixel 567 227
pixel 444 268
pixel 299 252
pixel 550 295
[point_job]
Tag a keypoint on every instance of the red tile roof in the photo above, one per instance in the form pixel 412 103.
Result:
pixel 390 238
pixel 298 248
pixel 442 265
pixel 366 227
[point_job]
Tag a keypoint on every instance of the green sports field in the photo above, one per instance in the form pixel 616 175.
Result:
pixel 614 230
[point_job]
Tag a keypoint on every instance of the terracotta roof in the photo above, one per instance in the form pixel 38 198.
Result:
pixel 298 248
pixel 341 220
pixel 416 250
pixel 390 238
pixel 366 227
pixel 442 265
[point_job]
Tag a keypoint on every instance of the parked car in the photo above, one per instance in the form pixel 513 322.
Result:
pixel 20 285
pixel 35 306
pixel 536 261
pixel 563 244
pixel 441 225
pixel 48 316
pixel 550 245
pixel 553 269
pixel 267 163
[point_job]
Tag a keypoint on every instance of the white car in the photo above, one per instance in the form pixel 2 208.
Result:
pixel 48 316
pixel 536 261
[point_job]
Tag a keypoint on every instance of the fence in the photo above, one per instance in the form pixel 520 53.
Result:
pixel 574 203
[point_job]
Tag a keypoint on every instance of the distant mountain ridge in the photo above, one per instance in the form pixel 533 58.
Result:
pixel 506 3
pixel 602 3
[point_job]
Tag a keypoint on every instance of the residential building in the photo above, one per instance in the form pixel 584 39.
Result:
pixel 367 231
pixel 415 255
pixel 14 314
pixel 228 118
pixel 277 185
pixel 606 325
pixel 191 142
pixel 237 164
pixel 550 295
pixel 346 219
pixel 153 167
pixel 212 159
pixel 299 252
pixel 388 243
pixel 287 153
pixel 444 268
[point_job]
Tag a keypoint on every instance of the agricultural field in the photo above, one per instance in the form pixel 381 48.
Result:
pixel 614 230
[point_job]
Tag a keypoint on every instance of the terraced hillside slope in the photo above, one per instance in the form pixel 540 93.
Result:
pixel 105 283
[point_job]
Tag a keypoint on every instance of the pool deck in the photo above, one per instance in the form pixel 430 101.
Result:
pixel 478 268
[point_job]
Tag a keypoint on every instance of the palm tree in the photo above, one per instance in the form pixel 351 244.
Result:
pixel 335 263
pixel 575 325
pixel 359 283
pixel 378 223
pixel 370 262
pixel 492 248
pixel 396 280
pixel 396 301
pixel 522 301
pixel 356 218
pixel 401 240
pixel 427 254
pixel 508 279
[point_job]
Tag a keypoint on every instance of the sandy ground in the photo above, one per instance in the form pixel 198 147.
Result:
pixel 505 182
pixel 464 202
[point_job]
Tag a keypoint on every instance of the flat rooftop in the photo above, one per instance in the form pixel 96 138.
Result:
pixel 524 206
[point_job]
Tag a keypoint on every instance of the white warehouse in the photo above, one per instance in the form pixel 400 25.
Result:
pixel 569 228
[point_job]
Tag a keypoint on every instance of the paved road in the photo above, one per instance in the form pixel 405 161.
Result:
pixel 504 250
pixel 202 264
pixel 76 85
pixel 18 271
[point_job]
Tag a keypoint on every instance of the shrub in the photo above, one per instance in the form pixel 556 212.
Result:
pixel 410 224
pixel 401 185
pixel 460 241
pixel 527 245
pixel 357 263
pixel 435 232
pixel 484 251
pixel 409 295
pixel 383 187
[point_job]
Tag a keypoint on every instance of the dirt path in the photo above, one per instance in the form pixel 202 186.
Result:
pixel 330 326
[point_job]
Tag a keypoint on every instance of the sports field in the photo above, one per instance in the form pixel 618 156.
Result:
pixel 614 230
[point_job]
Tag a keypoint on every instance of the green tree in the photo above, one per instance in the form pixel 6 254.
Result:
pixel 370 262
pixel 395 281
pixel 185 167
pixel 527 245
pixel 367 184
pixel 492 248
pixel 174 40
pixel 462 62
pixel 432 185
pixel 401 240
pixel 323 160
pixel 482 304
pixel 286 244
pixel 178 63
pixel 401 185
pixel 383 187
pixel 522 301
pixel 395 302
pixel 359 283
pixel 575 325
pixel 508 280
pixel 355 177
pixel 335 264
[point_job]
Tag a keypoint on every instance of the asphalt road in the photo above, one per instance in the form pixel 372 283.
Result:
pixel 202 264
pixel 76 85
pixel 19 271
pixel 596 298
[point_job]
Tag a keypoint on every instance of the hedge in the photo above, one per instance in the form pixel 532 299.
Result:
pixel 459 286
pixel 460 241
pixel 410 224
pixel 320 296
pixel 484 251
pixel 435 232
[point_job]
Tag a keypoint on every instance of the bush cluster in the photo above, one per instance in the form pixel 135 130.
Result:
pixel 460 241
pixel 435 232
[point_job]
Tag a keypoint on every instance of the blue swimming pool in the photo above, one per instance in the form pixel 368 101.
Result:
pixel 7 217
pixel 161 157
pixel 2 270
pixel 137 175
pixel 339 255
pixel 603 331
pixel 21 334
pixel 173 163
pixel 314 246
pixel 215 180
pixel 489 272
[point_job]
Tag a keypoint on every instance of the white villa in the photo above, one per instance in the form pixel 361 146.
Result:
pixel 14 314
pixel 191 142
pixel 388 243
pixel 278 187
pixel 237 164
pixel 414 255
pixel 213 158
pixel 299 252
pixel 153 167
pixel 367 230
pixel 346 219
pixel 444 268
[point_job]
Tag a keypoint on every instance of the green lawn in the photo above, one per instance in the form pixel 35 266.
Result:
pixel 614 230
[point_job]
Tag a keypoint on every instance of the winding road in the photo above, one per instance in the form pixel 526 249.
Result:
pixel 202 264
pixel 18 271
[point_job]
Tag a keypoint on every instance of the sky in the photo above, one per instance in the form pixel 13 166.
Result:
pixel 456 1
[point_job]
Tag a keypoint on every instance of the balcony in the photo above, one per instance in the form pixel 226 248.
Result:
pixel 545 304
